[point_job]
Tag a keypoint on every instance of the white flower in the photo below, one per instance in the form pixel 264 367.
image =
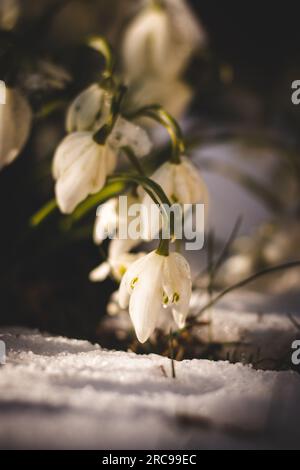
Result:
pixel 160 41
pixel 115 266
pixel 81 165
pixel 9 13
pixel 153 283
pixel 15 125
pixel 90 110
pixel 181 183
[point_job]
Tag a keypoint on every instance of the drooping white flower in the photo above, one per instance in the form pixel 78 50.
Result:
pixel 81 165
pixel 15 125
pixel 160 40
pixel 182 183
pixel 9 13
pixel 153 283
pixel 90 110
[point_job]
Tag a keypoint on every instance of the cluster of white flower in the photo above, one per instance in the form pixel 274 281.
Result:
pixel 157 47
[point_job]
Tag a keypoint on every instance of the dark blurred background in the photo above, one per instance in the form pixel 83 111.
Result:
pixel 44 271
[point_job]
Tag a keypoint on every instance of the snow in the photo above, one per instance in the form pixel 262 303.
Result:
pixel 262 324
pixel 57 393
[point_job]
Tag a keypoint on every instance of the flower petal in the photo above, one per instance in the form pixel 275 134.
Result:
pixel 89 110
pixel 70 150
pixel 177 286
pixel 15 124
pixel 146 300
pixel 101 273
pixel 127 134
pixel 77 183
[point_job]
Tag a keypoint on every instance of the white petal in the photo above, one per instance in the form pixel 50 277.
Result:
pixel 182 185
pixel 127 134
pixel 77 183
pixel 89 110
pixel 181 308
pixel 177 286
pixel 133 273
pixel 70 150
pixel 15 125
pixel 146 43
pixel 146 300
pixel 198 189
pixel 101 273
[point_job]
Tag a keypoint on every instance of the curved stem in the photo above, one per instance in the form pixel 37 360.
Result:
pixel 152 189
pixel 101 45
pixel 43 213
pixel 160 115
pixel 134 160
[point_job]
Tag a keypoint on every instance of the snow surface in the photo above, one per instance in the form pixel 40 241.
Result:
pixel 262 324
pixel 66 394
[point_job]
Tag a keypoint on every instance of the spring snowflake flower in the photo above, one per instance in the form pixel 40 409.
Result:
pixel 81 165
pixel 182 184
pixel 15 125
pixel 152 284
pixel 160 40
pixel 90 110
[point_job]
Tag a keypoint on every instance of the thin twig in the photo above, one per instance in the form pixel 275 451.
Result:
pixel 171 348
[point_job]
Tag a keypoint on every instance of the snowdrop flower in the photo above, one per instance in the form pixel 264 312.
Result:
pixel 9 13
pixel 182 184
pixel 90 110
pixel 161 40
pixel 153 283
pixel 81 165
pixel 15 125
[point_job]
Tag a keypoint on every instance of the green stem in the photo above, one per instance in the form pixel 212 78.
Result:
pixel 163 248
pixel 160 115
pixel 172 355
pixel 101 45
pixel 43 213
pixel 134 161
pixel 161 200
